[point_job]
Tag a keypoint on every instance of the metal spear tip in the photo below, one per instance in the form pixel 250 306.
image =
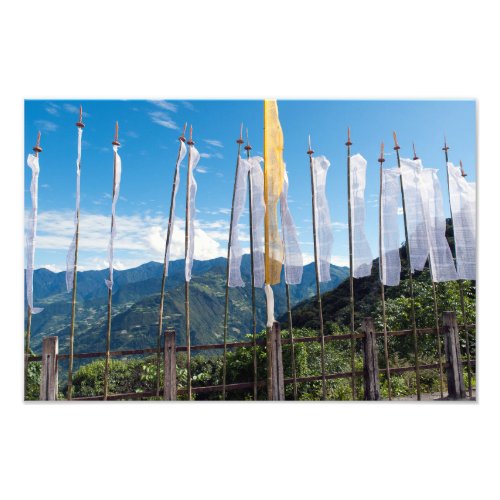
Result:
pixel 415 157
pixel 348 143
pixel 181 138
pixel 116 142
pixel 240 140
pixel 191 142
pixel 381 159
pixel 396 145
pixel 309 151
pixel 80 123
pixel 462 169
pixel 36 148
pixel 248 147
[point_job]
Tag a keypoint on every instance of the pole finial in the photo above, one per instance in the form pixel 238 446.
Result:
pixel 348 143
pixel 248 147
pixel 381 159
pixel 36 148
pixel 191 142
pixel 462 169
pixel 182 138
pixel 309 151
pixel 116 142
pixel 80 123
pixel 396 145
pixel 446 147
pixel 240 140
pixel 415 157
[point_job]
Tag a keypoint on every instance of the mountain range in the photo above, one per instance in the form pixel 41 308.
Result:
pixel 136 296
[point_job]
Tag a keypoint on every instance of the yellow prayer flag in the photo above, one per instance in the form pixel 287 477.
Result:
pixel 274 170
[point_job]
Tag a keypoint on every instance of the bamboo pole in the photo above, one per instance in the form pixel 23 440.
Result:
pixel 37 149
pixel 436 314
pixel 186 299
pixel 164 276
pixel 80 125
pixel 460 282
pixel 351 278
pixel 110 295
pixel 310 152
pixel 410 276
pixel 229 243
pixel 290 324
pixel 248 148
pixel 381 160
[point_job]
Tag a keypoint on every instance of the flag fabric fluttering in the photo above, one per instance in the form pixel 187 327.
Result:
pixel 116 194
pixel 324 235
pixel 273 184
pixel 294 264
pixel 361 254
pixel 193 159
pixel 182 154
pixel 70 258
pixel 463 209
pixel 417 232
pixel 258 214
pixel 235 250
pixel 389 261
pixel 441 259
pixel 33 163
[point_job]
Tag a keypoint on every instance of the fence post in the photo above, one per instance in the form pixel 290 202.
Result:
pixel 454 371
pixel 48 380
pixel 370 361
pixel 169 367
pixel 275 380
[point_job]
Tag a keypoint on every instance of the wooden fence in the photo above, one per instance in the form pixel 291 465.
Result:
pixel 276 381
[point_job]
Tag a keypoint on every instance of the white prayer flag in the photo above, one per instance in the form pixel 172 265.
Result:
pixel 415 218
pixel 441 259
pixel 361 254
pixel 258 214
pixel 463 209
pixel 171 224
pixel 70 258
pixel 194 158
pixel 31 232
pixel 294 263
pixel 389 260
pixel 324 235
pixel 116 194
pixel 235 250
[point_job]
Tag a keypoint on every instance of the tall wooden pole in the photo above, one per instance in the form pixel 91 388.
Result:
pixel 310 152
pixel 110 295
pixel 164 276
pixel 248 148
pixel 381 160
pixel 186 239
pixel 351 278
pixel 37 149
pixel 80 125
pixel 229 243
pixel 460 282
pixel 410 276
pixel 436 314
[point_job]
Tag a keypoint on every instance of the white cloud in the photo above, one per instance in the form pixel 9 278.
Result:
pixel 139 238
pixel 339 226
pixel 52 267
pixel 52 109
pixel 201 170
pixel 46 126
pixel 214 142
pixel 205 155
pixel 168 106
pixel 162 119
pixel 188 105
pixel 400 210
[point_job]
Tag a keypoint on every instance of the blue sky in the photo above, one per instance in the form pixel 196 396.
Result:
pixel 148 134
